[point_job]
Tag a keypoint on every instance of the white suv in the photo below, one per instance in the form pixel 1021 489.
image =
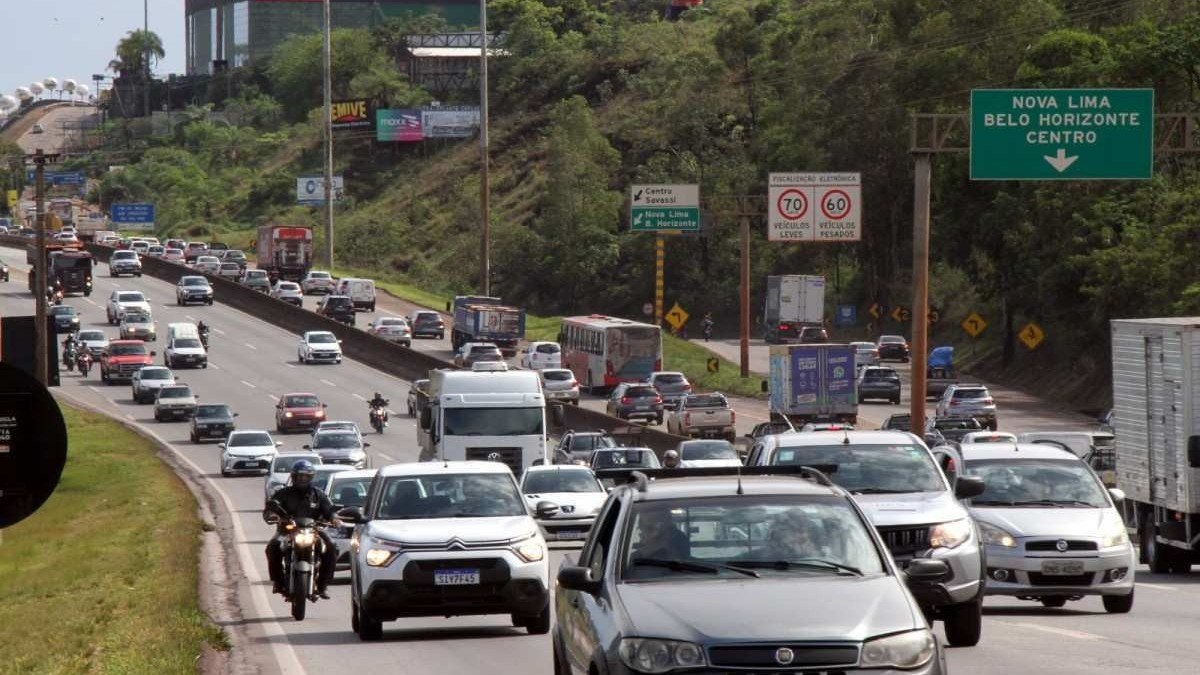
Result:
pixel 446 539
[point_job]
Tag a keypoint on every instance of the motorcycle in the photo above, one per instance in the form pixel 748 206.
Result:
pixel 379 417
pixel 204 338
pixel 83 363
pixel 302 549
pixel 707 330
pixel 69 354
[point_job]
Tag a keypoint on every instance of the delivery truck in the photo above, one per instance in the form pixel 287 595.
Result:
pixel 485 319
pixel 812 383
pixel 1156 421
pixel 793 302
pixel 285 251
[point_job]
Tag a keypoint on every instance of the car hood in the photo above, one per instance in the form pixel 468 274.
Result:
pixel 214 420
pixel 699 463
pixel 173 401
pixel 154 384
pixel 251 450
pixel 140 304
pixel 910 508
pixel 338 452
pixel 441 530
pixel 584 503
pixel 1047 522
pixel 323 347
pixel 302 411
pixel 854 608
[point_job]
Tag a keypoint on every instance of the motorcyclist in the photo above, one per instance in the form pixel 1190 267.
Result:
pixel 83 360
pixel 671 459
pixel 707 325
pixel 70 350
pixel 301 499
pixel 202 329
pixel 381 403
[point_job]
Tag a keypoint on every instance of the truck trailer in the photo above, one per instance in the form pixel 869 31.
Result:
pixel 793 302
pixel 1156 421
pixel 485 319
pixel 813 383
pixel 285 251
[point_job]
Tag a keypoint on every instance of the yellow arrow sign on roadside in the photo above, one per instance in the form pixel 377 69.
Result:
pixel 973 324
pixel 677 316
pixel 901 314
pixel 875 311
pixel 714 364
pixel 1031 335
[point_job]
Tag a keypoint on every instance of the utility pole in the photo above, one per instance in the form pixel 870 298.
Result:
pixel 923 169
pixel 485 234
pixel 146 54
pixel 327 57
pixel 40 332
pixel 745 298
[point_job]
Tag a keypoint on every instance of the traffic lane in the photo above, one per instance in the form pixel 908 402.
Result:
pixel 54 137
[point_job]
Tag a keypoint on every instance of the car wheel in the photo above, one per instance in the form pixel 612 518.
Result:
pixel 1054 601
pixel 210 302
pixel 1118 604
pixel 560 664
pixel 658 420
pixel 224 473
pixel 300 357
pixel 538 624
pixel 194 438
pixel 896 401
pixel 963 623
pixel 369 629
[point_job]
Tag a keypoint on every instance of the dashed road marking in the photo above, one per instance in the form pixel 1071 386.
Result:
pixel 1064 632
pixel 218 331
pixel 250 346
pixel 190 317
pixel 387 457
pixel 273 397
pixel 359 397
pixel 327 382
pixel 249 384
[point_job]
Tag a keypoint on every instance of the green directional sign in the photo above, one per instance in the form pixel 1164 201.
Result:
pixel 659 208
pixel 1062 134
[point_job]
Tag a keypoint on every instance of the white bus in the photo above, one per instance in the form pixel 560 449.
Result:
pixel 604 351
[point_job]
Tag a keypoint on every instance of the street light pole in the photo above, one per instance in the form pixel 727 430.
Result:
pixel 485 234
pixel 146 53
pixel 327 57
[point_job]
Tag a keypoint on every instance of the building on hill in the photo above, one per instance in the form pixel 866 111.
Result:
pixel 237 32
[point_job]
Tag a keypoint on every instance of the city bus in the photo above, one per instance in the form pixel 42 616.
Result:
pixel 603 351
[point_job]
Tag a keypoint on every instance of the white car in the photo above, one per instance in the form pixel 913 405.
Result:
pixel 342 447
pixel 319 346
pixel 559 384
pixel 317 281
pixel 124 261
pixel 66 238
pixel 94 340
pixel 539 355
pixel 146 382
pixel 140 246
pixel 209 264
pixel 173 254
pixel 699 453
pixel 175 402
pixel 576 491
pixel 989 437
pixel 120 302
pixel 427 531
pixel 155 251
pixel 393 329
pixel 287 291
pixel 1051 530
pixel 248 452
pixel 281 469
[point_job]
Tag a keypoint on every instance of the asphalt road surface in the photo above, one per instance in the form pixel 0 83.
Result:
pixel 252 362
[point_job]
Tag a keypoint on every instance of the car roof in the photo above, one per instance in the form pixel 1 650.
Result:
pixel 792 439
pixel 298 393
pixel 721 486
pixel 544 468
pixel 238 432
pixel 317 332
pixel 983 451
pixel 448 468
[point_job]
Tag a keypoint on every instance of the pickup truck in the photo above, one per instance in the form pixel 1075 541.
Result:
pixel 122 359
pixel 702 416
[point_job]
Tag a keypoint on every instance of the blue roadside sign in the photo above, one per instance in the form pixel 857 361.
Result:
pixel 54 178
pixel 847 315
pixel 133 215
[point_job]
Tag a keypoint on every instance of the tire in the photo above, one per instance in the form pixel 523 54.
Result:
pixel 299 600
pixel 368 629
pixel 224 473
pixel 560 664
pixel 1158 556
pixel 196 439
pixel 539 624
pixel 963 623
pixel 1055 601
pixel 1118 604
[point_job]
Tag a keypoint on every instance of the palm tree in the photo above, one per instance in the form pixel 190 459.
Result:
pixel 131 53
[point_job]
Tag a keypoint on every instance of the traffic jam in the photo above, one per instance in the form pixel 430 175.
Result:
pixel 693 556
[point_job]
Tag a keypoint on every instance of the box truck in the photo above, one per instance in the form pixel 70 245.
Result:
pixel 793 302
pixel 811 383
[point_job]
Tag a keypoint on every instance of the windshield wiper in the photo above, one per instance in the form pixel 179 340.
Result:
pixel 806 563
pixel 1056 502
pixel 880 491
pixel 687 566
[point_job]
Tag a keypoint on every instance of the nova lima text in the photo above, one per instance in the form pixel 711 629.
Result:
pixel 1062 119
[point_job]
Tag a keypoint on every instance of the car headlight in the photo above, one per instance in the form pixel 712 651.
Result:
pixel 906 650
pixel 996 536
pixel 380 557
pixel 648 655
pixel 951 534
pixel 320 413
pixel 305 539
pixel 1113 534
pixel 531 551
pixel 288 413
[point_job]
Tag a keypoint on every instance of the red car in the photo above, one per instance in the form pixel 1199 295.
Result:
pixel 298 411
pixel 122 359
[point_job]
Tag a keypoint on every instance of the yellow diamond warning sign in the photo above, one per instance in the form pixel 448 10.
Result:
pixel 1031 335
pixel 676 317
pixel 973 324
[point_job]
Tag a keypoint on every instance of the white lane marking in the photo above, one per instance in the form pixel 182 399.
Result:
pixel 129 417
pixel 359 397
pixel 93 389
pixel 218 331
pixel 249 384
pixel 190 317
pixel 1157 587
pixel 91 302
pixel 327 382
pixel 1064 632
pixel 250 346
pixel 273 397
pixel 214 366
pixel 289 364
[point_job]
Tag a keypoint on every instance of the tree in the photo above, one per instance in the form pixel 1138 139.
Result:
pixel 132 51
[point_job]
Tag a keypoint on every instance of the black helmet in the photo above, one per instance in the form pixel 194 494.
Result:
pixel 303 473
pixel 377 396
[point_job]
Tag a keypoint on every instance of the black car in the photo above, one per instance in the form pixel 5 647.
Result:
pixel 898 422
pixel 66 319
pixel 876 382
pixel 212 420
pixel 892 348
pixel 337 307
pixel 706 574
pixel 813 335
pixel 428 324
pixel 954 428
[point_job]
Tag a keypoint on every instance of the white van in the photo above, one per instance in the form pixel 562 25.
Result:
pixel 184 347
pixel 360 291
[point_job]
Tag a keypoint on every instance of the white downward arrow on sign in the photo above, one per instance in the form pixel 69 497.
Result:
pixel 1060 162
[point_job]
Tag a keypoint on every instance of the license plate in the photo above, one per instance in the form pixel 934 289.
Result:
pixel 455 577
pixel 643 407
pixel 570 534
pixel 305 422
pixel 1061 568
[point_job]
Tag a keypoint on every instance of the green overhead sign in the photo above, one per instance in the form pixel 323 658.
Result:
pixel 1062 134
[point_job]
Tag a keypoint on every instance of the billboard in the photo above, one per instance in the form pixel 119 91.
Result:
pixel 450 121
pixel 352 114
pixel 403 125
pixel 310 190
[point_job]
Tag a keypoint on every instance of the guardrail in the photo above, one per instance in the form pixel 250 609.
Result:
pixel 391 358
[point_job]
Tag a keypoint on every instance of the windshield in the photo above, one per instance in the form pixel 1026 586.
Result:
pixel 321 338
pixel 250 438
pixel 301 402
pixel 707 450
pixel 318 275
pixel 547 348
pixel 869 468
pixel 620 459
pixel 1037 482
pixel 669 378
pixel 884 374
pixel 288 286
pixel 560 481
pixel 588 443
pixel 194 281
pixel 891 339
pixel 558 375
pixel 212 410
pixel 485 495
pixel 174 392
pixel 135 317
pixel 428 317
pixel 128 350
pixel 336 441
pixel 349 491
pixel 970 393
pixel 155 374
pixel 91 336
pixel 640 392
pixel 283 464
pixel 768 534
pixel 131 297
pixel 124 255
pixel 62 310
pixel 492 421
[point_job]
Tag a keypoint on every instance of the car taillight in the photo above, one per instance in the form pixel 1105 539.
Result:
pixel 625 400
pixel 573 383
pixel 784 326
pixel 658 399
pixel 988 401
pixel 953 402
pixel 732 417
pixel 687 387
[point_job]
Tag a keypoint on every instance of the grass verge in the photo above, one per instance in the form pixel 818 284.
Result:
pixel 103 579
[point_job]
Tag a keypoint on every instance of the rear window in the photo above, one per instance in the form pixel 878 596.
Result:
pixel 558 375
pixel 640 392
pixel 488 349
pixel 548 348
pixel 708 450
pixel 970 393
pixel 881 374
pixel 706 401
pixel 891 339
pixel 669 378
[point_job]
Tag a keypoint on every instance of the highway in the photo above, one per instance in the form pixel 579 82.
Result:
pixel 253 362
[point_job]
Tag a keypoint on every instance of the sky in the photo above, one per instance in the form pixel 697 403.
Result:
pixel 74 39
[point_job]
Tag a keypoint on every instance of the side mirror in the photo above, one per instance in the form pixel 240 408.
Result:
pixel 926 570
pixel 279 444
pixel 221 445
pixel 558 415
pixel 426 419
pixel 1117 494
pixel 1193 452
pixel 324 405
pixel 351 514
pixel 236 414
pixel 307 447
pixel 366 445
pixel 969 486
pixel 580 579
pixel 545 510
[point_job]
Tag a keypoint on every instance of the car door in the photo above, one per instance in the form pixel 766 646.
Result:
pixel 585 619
